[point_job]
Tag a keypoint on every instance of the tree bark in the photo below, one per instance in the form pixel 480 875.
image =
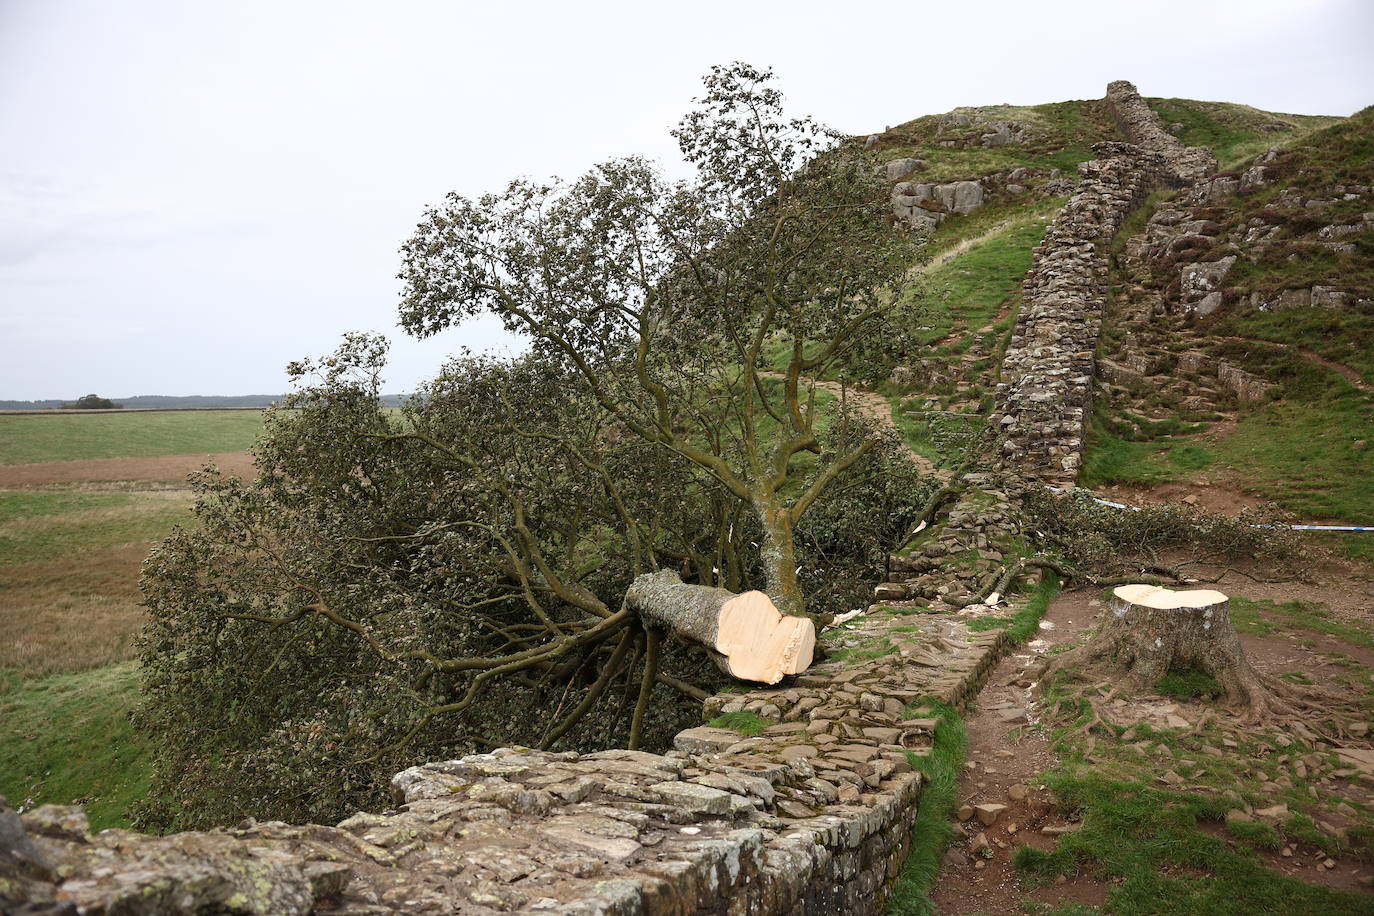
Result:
pixel 745 634
pixel 1147 630
pixel 779 557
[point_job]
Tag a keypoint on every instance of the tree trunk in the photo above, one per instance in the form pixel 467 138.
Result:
pixel 1149 630
pixel 779 558
pixel 746 635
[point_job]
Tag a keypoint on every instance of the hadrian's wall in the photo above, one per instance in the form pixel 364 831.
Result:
pixel 1044 398
pixel 813 816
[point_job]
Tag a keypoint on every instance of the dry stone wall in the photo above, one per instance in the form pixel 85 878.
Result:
pixel 1044 397
pixel 813 816
pixel 1141 126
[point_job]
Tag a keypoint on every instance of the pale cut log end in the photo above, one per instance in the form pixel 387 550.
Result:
pixel 1154 596
pixel 760 643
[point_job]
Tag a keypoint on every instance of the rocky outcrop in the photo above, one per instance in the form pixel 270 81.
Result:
pixel 925 205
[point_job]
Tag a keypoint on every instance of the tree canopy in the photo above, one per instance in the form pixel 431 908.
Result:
pixel 92 402
pixel 397 586
pixel 675 303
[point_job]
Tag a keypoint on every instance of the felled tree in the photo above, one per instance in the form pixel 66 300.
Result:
pixel 391 589
pixel 398 588
pixel 669 302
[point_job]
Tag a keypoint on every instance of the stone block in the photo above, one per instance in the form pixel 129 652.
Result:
pixel 705 740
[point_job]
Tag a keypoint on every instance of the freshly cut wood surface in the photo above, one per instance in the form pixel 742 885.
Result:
pixel 1167 599
pixel 746 634
pixel 762 644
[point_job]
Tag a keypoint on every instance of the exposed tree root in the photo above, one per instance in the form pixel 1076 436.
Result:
pixel 1137 644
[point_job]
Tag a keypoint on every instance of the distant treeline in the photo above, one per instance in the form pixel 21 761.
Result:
pixel 161 401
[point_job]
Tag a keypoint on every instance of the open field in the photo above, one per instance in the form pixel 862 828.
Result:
pixel 82 500
pixel 68 738
pixel 54 437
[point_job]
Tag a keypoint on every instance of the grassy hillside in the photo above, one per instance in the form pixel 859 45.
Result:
pixel 1060 135
pixel 68 739
pixel 27 439
pixel 1235 133
pixel 1306 444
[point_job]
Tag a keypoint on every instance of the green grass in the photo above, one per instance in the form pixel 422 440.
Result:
pixel 966 292
pixel 933 829
pixel 67 739
pixel 26 440
pixel 1302 455
pixel 1235 133
pixel 1188 685
pixel 746 723
pixel 1343 335
pixel 68 524
pixel 960 227
pixel 1146 843
pixel 1110 459
pixel 30 504
pixel 866 650
pixel 1124 448
pixel 1063 134
pixel 1264 617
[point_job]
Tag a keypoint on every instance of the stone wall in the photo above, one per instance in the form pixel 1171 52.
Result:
pixel 813 816
pixel 1044 398
pixel 1141 126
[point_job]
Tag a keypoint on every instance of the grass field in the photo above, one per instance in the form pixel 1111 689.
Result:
pixel 68 739
pixel 28 439
pixel 965 293
pixel 69 603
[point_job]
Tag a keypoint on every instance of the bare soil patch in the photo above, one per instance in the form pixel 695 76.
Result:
pixel 57 616
pixel 1003 753
pixel 165 467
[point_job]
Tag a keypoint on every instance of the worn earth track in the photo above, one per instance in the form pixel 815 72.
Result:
pixel 90 470
pixel 874 406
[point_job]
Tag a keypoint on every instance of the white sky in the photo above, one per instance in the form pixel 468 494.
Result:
pixel 194 193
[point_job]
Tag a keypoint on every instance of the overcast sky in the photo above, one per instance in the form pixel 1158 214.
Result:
pixel 194 193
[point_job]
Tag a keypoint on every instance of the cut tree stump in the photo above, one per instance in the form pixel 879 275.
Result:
pixel 1148 629
pixel 746 634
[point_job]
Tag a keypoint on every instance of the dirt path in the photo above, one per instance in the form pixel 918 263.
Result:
pixel 1341 369
pixel 963 245
pixel 1005 757
pixel 1351 375
pixel 165 467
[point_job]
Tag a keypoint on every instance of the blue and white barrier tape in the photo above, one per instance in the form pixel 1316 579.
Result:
pixel 1107 502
